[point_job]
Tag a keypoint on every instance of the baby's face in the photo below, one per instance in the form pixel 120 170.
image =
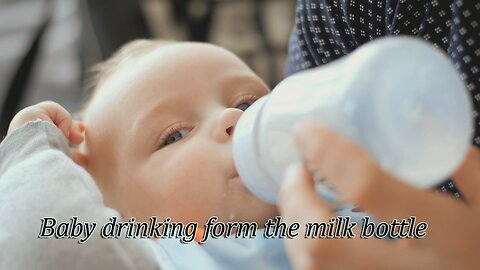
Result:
pixel 159 138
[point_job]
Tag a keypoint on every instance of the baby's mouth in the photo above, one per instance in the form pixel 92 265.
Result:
pixel 234 175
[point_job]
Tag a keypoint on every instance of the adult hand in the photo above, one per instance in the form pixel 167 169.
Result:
pixel 452 240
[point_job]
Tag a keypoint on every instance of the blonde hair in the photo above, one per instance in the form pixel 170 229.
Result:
pixel 101 71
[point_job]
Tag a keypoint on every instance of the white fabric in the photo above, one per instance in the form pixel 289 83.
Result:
pixel 38 179
pixel 227 253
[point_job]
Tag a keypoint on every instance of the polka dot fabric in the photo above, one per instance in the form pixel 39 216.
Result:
pixel 329 29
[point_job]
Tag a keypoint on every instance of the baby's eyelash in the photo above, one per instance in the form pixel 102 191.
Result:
pixel 248 97
pixel 169 131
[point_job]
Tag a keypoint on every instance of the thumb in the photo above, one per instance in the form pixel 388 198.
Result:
pixel 298 200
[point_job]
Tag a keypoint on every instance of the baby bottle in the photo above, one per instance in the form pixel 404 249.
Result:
pixel 398 98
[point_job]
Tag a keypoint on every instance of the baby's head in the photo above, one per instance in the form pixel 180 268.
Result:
pixel 159 132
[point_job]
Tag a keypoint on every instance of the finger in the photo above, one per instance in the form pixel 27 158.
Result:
pixel 76 132
pixel 300 202
pixel 467 176
pixel 298 192
pixel 27 114
pixel 361 181
pixel 59 116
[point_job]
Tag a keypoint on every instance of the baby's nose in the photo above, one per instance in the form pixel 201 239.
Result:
pixel 227 121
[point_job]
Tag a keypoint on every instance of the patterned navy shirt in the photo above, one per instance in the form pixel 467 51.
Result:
pixel 329 29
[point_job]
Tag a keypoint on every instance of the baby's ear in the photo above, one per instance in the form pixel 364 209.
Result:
pixel 78 157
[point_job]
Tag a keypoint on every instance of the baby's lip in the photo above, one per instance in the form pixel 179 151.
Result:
pixel 234 174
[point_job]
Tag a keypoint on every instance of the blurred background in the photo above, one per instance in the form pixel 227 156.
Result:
pixel 46 46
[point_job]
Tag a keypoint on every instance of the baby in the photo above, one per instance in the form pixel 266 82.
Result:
pixel 158 132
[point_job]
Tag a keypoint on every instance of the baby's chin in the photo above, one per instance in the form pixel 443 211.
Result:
pixel 252 209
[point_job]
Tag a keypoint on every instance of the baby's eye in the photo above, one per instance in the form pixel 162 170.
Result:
pixel 244 106
pixel 246 101
pixel 175 136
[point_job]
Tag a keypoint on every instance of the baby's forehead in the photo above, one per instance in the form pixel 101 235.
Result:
pixel 171 64
pixel 190 54
pixel 164 52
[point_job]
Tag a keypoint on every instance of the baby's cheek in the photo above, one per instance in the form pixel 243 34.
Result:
pixel 191 181
pixel 175 197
